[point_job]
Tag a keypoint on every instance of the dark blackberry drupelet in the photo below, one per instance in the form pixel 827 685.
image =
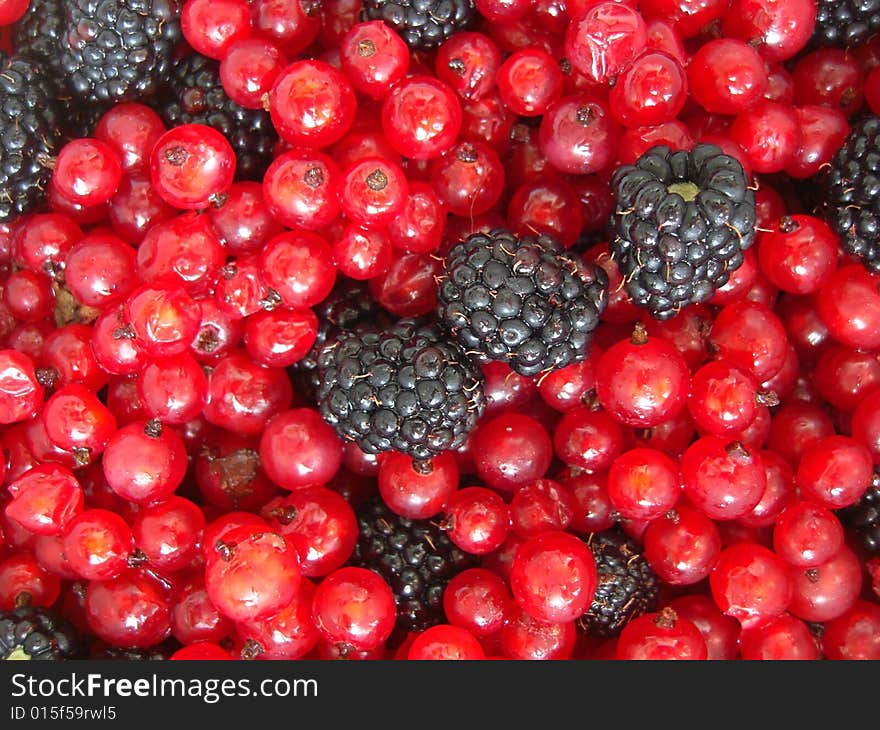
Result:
pixel 415 557
pixel 423 24
pixel 30 632
pixel 682 222
pixel 845 23
pixel 30 135
pixel 37 35
pixel 195 95
pixel 849 198
pixel 405 388
pixel 520 300
pixel 627 586
pixel 350 307
pixel 864 517
pixel 117 50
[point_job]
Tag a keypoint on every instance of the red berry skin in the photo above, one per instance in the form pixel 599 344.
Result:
pixel 849 305
pixel 781 638
pixel 417 490
pixel 299 266
pixel 362 254
pixel 727 76
pixel 526 638
pixel 130 611
pixel 799 254
pixel 87 171
pixel 835 471
pixel 601 42
pixel 211 26
pixel 723 480
pixel 354 607
pixel 289 634
pixel 191 166
pixel 553 577
pixel 651 90
pixel 12 10
pixel 321 525
pixel 298 449
pixel 168 533
pixel 778 494
pixel 312 104
pixel 578 134
pixel 248 70
pixel 285 22
pixel 20 392
pixel 721 633
pixel 547 205
pixel 173 389
pixel 373 191
pixel 529 81
pixel 132 130
pixel 469 63
pixel 244 223
pixel 98 544
pixel 723 398
pixel 823 132
pixel 826 591
pixel 642 385
pixel 510 450
pixel 421 117
pixel 164 318
pixel 643 484
pixel 141 467
pixel 866 425
pixel 281 337
pixel 478 520
pixel 829 77
pixel 201 651
pixel 588 439
pixel 682 546
pixel 854 635
pixel 45 499
pixel 872 90
pixel 445 642
pixel 778 30
pixel 687 17
pixel 477 600
pixel 469 179
pixel 806 535
pixel 751 336
pixel 74 418
pixel 300 189
pixel 250 575
pixel 769 134
pixel 661 636
pixel 373 57
pixel 20 573
pixel 750 583
pixel 193 617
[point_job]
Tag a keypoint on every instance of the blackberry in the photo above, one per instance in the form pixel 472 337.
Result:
pixel 423 24
pixel 850 192
pixel 117 50
pixel 37 35
pixel 864 517
pixel 349 307
pixel 627 586
pixel 520 300
pixel 30 135
pixel 845 23
pixel 195 95
pixel 30 632
pixel 157 653
pixel 404 388
pixel 415 557
pixel 682 222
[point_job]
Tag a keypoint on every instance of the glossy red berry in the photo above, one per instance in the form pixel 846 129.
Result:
pixel 76 420
pixel 601 42
pixel 854 634
pixel 529 81
pixel 192 165
pixel 211 26
pixel 476 519
pixel 554 577
pixel 510 450
pixel 799 255
pixel 289 634
pixel 661 636
pixel 87 171
pixel 642 381
pixel 445 642
pixel 421 117
pixel 824 592
pixel 130 611
pixel 849 306
pixel 417 489
pixel 780 638
pixel 682 546
pixel 751 336
pixel 750 583
pixel 835 471
pixel 301 189
pixel 298 266
pixel 725 480
pixel 144 462
pixel 298 449
pixel 312 104
pixel 44 499
pixel 373 57
pixel 727 76
pixel 354 607
pixel 721 633
pixel 578 135
pixel 373 191
pixel 21 393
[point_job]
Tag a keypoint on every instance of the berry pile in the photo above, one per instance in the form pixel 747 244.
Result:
pixel 420 329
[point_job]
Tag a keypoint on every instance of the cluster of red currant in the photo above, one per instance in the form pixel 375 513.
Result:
pixel 166 480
